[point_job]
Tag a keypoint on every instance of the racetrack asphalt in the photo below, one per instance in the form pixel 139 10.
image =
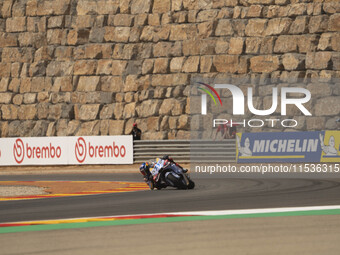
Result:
pixel 209 194
pixel 312 235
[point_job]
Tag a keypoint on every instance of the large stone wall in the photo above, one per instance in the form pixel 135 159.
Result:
pixel 94 67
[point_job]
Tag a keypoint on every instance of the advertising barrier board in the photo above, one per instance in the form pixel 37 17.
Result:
pixel 66 150
pixel 316 146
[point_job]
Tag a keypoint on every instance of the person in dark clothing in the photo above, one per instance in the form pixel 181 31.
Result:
pixel 232 132
pixel 136 132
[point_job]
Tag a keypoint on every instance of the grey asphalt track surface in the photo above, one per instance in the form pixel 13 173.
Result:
pixel 209 194
pixel 312 235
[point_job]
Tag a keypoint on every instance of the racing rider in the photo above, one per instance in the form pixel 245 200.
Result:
pixel 150 177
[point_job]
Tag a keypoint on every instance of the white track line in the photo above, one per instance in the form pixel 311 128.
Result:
pixel 255 211
pixel 208 213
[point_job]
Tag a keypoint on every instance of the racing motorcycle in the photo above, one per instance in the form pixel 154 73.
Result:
pixel 171 175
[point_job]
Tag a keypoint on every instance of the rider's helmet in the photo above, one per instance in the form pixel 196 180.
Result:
pixel 143 167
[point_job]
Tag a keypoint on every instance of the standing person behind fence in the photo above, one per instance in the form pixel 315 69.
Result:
pixel 232 132
pixel 136 132
pixel 223 129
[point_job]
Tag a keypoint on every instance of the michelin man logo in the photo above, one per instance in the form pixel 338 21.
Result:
pixel 244 151
pixel 329 149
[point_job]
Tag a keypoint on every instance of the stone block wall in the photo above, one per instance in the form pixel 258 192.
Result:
pixel 85 67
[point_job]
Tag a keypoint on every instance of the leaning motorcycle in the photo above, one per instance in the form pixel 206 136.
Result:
pixel 174 176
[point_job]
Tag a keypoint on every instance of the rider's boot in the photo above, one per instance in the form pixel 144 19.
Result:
pixel 149 180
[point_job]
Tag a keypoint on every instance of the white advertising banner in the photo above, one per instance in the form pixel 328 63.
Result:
pixel 66 150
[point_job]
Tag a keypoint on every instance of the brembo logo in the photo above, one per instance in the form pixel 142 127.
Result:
pixel 22 151
pixel 84 150
pixel 19 151
pixel 80 150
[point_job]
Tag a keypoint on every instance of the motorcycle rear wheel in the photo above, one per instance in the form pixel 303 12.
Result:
pixel 191 184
